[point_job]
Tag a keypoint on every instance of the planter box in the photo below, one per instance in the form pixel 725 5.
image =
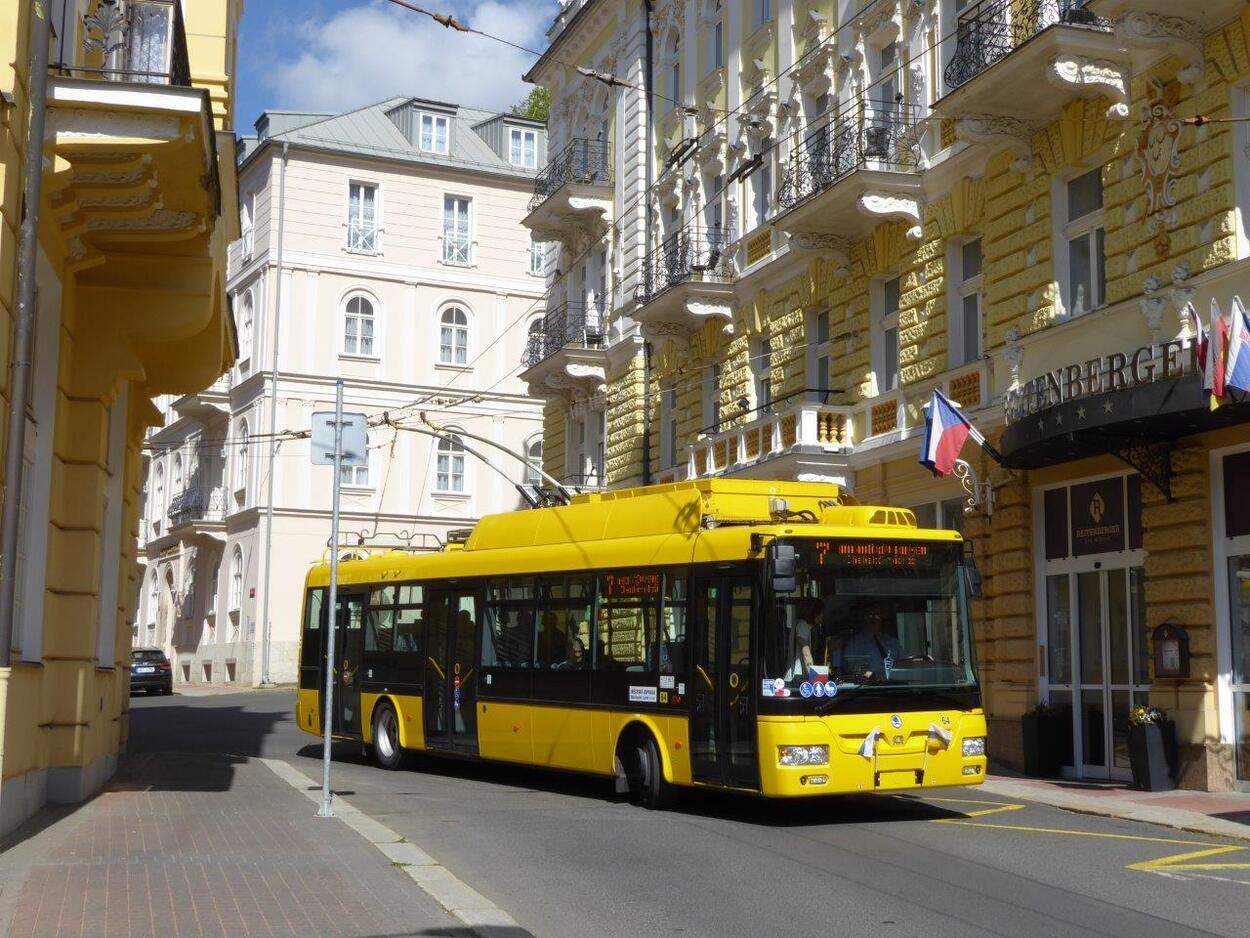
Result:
pixel 1152 755
pixel 1043 738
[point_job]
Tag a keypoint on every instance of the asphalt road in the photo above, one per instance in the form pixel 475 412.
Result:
pixel 567 860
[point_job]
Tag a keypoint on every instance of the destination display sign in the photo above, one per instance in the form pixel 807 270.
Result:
pixel 874 554
pixel 1119 371
pixel 631 584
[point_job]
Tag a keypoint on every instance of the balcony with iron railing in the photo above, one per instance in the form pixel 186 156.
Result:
pixel 850 171
pixel 566 353
pixel 685 280
pixel 1024 60
pixel 573 193
pixel 198 504
pixel 143 41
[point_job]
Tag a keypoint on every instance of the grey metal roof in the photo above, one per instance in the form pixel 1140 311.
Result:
pixel 368 131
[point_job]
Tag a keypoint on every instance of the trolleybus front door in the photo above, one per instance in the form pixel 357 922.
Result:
pixel 451 671
pixel 349 647
pixel 722 718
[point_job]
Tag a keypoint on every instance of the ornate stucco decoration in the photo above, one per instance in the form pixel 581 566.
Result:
pixel 668 187
pixel 1158 150
pixel 1008 133
pixel 881 23
pixel 69 126
pixel 899 207
pixel 829 246
pixel 1097 76
pixel 164 220
pixel 1173 34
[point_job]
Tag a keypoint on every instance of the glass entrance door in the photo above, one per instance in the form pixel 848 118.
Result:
pixel 349 646
pixel 451 671
pixel 1096 668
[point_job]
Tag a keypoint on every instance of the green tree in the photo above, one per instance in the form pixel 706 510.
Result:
pixel 536 105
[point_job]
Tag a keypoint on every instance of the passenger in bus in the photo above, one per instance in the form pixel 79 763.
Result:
pixel 514 641
pixel 552 640
pixel 869 650
pixel 574 658
pixel 810 613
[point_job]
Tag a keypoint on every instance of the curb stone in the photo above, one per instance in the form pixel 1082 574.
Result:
pixel 448 890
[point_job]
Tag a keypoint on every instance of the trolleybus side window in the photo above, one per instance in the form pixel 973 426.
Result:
pixel 628 619
pixel 564 614
pixel 314 611
pixel 508 625
pixel 380 630
pixel 673 625
pixel 408 626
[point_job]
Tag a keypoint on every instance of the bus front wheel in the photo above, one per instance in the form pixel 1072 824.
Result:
pixel 386 749
pixel 647 784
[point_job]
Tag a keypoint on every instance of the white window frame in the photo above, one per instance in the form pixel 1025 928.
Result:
pixel 714 35
pixel 534 460
pixel 363 238
pixel 356 320
pixel 466 329
pixel 669 423
pixel 538 259
pixel 964 288
pixel 215 586
pixel 761 353
pixel 885 322
pixel 243 456
pixel 518 138
pixel 820 349
pixel 434 143
pixel 247 330
pixel 154 599
pixel 763 12
pixel 760 181
pixel 451 452
pixel 1067 231
pixel 157 508
pixel 358 477
pixel 711 398
pixel 449 240
pixel 247 229
pixel 235 597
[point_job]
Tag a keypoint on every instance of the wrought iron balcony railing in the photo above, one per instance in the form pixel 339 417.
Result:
pixel 993 29
pixel 198 503
pixel 573 324
pixel 588 162
pixel 694 251
pixel 130 40
pixel 873 133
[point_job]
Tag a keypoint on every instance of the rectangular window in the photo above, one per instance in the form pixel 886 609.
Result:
pixel 886 323
pixel 763 11
pixel 362 217
pixel 966 316
pixel 457 244
pixel 450 475
pixel 762 185
pixel 538 258
pixel 628 608
pixel 887 76
pixel 711 398
pixel 354 476
pixel 434 133
pixel 310 655
pixel 819 360
pixel 1084 233
pixel 716 45
pixel 668 423
pixel 523 147
pixel 762 370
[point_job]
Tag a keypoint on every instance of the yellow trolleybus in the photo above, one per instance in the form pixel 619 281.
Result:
pixel 767 637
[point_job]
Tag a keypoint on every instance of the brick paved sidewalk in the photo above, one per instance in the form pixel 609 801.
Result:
pixel 201 845
pixel 1225 814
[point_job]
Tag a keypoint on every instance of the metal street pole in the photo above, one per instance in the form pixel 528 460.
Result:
pixel 326 809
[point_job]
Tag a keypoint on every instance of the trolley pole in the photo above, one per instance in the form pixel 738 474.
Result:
pixel 327 808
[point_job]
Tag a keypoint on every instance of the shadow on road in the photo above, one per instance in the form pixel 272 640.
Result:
pixel 720 805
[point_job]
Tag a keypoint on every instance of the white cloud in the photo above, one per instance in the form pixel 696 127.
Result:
pixel 376 50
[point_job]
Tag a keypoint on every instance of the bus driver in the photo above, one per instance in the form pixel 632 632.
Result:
pixel 869 650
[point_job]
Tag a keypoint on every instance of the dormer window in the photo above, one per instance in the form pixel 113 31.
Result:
pixel 434 133
pixel 523 147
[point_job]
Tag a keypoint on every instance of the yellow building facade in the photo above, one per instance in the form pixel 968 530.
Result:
pixel 138 204
pixel 821 212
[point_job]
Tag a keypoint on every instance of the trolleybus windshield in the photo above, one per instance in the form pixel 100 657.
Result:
pixel 869 614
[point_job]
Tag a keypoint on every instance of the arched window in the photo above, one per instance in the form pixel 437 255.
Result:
pixel 176 481
pixel 245 227
pixel 450 476
pixel 236 579
pixel 246 315
pixel 154 597
pixel 673 57
pixel 240 481
pixel 535 347
pixel 534 462
pixel 358 327
pixel 158 498
pixel 453 336
pixel 213 586
pixel 714 34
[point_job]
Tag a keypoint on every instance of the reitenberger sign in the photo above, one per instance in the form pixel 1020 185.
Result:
pixel 1115 372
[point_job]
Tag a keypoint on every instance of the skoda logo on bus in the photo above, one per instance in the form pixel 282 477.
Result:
pixel 896 721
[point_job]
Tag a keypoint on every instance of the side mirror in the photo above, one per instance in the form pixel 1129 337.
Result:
pixel 974 577
pixel 783 568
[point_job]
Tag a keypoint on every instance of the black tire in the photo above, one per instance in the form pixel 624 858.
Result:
pixel 387 752
pixel 647 785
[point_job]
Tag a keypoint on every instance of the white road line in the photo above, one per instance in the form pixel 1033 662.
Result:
pixel 439 883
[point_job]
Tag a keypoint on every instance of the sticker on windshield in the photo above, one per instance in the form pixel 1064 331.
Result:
pixel 805 689
pixel 667 681
pixel 818 689
pixel 767 689
pixel 831 689
pixel 642 695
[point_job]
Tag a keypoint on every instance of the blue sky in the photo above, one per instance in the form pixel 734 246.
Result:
pixel 333 55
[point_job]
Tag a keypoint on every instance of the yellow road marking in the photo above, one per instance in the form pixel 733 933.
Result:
pixel 1177 862
pixel 995 807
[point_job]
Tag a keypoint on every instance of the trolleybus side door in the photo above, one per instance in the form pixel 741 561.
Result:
pixel 451 670
pixel 722 719
pixel 349 648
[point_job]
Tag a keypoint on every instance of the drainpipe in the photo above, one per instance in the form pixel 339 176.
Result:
pixel 265 631
pixel 24 328
pixel 646 347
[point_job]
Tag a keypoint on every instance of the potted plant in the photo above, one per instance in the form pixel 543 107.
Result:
pixel 1151 749
pixel 1043 741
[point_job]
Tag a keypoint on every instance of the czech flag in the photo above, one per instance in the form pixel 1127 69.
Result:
pixel 946 430
pixel 1237 369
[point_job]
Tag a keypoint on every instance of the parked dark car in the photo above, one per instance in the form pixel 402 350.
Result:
pixel 150 671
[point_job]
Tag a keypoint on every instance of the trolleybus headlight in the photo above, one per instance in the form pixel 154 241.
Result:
pixel 974 746
pixel 803 755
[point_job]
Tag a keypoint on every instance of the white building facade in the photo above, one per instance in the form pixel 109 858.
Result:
pixel 384 246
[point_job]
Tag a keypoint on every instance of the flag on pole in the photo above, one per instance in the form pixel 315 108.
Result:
pixel 941 734
pixel 868 749
pixel 945 432
pixel 1237 368
pixel 1211 347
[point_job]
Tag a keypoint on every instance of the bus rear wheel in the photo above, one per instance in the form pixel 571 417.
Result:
pixel 647 785
pixel 386 749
